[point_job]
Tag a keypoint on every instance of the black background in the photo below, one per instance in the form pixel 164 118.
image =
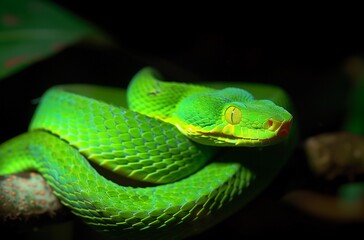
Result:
pixel 315 77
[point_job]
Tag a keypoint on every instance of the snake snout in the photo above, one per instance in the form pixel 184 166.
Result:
pixel 284 128
pixel 281 127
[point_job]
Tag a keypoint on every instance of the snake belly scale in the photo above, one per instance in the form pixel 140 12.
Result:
pixel 78 124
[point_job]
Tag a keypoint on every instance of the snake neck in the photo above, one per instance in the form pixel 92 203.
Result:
pixel 150 96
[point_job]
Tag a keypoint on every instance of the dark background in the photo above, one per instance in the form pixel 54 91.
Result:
pixel 316 77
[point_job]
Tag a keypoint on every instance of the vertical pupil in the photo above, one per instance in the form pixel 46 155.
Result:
pixel 233 115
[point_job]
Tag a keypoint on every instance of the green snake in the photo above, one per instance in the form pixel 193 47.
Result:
pixel 163 135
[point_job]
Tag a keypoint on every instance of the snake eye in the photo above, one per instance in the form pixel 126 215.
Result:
pixel 233 115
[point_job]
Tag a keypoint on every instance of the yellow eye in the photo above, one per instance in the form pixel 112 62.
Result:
pixel 233 115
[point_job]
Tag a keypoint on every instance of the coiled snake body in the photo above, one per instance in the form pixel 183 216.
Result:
pixel 166 138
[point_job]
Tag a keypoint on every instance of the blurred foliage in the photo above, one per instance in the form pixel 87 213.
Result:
pixel 32 30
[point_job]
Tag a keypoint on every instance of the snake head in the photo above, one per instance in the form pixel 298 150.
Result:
pixel 232 117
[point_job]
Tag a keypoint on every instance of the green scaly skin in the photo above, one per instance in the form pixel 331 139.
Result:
pixel 202 113
pixel 75 124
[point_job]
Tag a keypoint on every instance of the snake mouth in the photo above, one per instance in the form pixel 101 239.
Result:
pixel 227 139
pixel 222 138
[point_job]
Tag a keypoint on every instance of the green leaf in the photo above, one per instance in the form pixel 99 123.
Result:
pixel 31 30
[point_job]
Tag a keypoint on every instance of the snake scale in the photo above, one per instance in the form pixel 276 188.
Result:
pixel 164 136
